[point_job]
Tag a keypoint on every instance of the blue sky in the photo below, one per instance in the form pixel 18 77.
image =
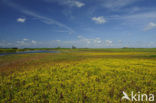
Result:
pixel 83 23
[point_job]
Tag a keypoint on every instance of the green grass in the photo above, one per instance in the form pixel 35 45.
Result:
pixel 8 50
pixel 76 76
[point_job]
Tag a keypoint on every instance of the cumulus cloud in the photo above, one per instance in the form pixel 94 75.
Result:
pixel 108 42
pixel 80 42
pixel 99 20
pixel 21 20
pixel 33 42
pixel 25 43
pixel 150 26
pixel 25 39
pixel 93 42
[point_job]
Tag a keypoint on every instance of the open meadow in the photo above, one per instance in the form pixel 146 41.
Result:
pixel 77 76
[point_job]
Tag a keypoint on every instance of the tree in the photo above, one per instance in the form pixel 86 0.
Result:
pixel 73 47
pixel 14 48
pixel 58 47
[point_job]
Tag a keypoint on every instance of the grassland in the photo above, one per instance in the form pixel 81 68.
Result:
pixel 77 76
pixel 9 50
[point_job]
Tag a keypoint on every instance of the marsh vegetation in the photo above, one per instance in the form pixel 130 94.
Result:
pixel 77 76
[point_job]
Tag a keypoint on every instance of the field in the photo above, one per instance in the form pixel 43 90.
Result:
pixel 77 76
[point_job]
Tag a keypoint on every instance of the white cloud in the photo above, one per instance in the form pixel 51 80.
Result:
pixel 25 39
pixel 135 16
pixel 43 19
pixel 81 42
pixel 24 43
pixel 99 20
pixel 144 15
pixel 134 9
pixel 71 3
pixel 47 20
pixel 21 20
pixel 150 26
pixel 141 20
pixel 93 42
pixel 116 4
pixel 109 41
pixel 97 40
pixel 79 4
pixel 33 42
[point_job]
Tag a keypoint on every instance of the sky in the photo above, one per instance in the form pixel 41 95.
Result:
pixel 82 23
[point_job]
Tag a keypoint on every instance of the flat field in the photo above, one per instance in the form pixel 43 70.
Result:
pixel 77 76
